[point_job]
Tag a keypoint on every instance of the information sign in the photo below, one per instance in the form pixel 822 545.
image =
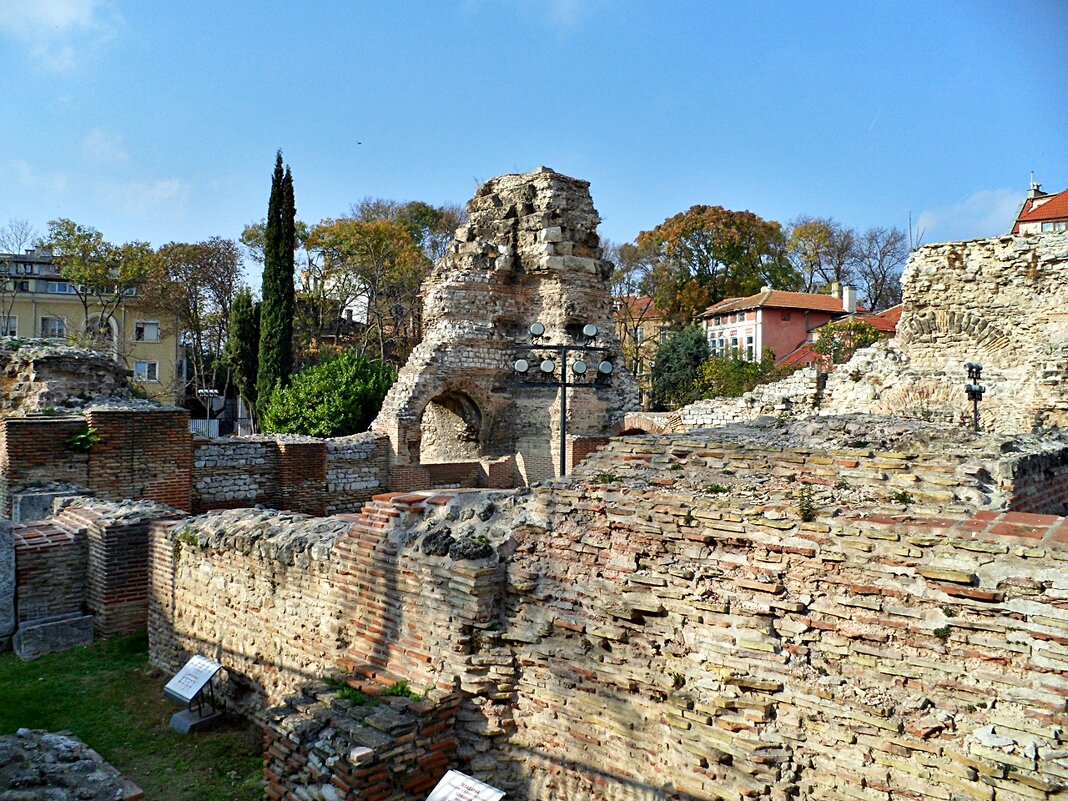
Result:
pixel 191 679
pixel 456 786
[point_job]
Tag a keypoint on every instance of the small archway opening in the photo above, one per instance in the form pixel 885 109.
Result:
pixel 450 429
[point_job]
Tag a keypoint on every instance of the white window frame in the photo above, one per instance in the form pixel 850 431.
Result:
pixel 140 324
pixel 62 323
pixel 143 374
pixel 11 326
pixel 59 288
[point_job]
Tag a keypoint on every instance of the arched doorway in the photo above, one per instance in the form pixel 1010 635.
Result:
pixel 450 429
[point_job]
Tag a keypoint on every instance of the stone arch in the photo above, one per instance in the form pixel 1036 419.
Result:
pixel 975 333
pixel 637 423
pixel 451 428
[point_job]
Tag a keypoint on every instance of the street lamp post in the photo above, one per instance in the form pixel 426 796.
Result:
pixel 974 390
pixel 544 372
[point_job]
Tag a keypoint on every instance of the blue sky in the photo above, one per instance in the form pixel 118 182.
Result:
pixel 159 121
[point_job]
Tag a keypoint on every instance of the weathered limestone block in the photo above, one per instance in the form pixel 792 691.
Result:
pixel 529 252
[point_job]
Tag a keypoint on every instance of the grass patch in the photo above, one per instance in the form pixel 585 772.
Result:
pixel 111 698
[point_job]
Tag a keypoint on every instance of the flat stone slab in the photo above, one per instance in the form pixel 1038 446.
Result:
pixel 189 722
pixel 37 638
pixel 43 766
pixel 37 504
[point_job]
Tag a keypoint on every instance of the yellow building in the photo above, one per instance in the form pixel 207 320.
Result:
pixel 37 302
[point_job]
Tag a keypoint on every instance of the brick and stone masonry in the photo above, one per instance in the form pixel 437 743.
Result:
pixel 686 618
pixel 998 302
pixel 529 252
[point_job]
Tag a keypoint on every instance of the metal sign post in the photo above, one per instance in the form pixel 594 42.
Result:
pixel 194 686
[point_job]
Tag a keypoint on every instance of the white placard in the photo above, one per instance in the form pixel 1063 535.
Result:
pixel 456 786
pixel 191 679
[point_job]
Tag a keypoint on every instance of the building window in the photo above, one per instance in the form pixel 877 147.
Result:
pixel 639 334
pixel 59 288
pixel 664 335
pixel 146 371
pixel 53 328
pixel 716 320
pixel 749 354
pixel 785 316
pixel 146 331
pixel 734 344
pixel 10 326
pixel 1060 225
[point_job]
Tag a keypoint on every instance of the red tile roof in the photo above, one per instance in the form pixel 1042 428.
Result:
pixel 1055 207
pixel 886 320
pixel 779 300
pixel 803 354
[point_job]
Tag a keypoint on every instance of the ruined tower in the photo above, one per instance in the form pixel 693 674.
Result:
pixel 528 253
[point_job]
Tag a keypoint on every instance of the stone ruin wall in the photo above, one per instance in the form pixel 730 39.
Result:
pixel 639 632
pixel 999 302
pixel 39 375
pixel 528 252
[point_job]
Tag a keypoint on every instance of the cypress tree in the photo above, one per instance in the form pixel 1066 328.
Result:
pixel 242 346
pixel 276 312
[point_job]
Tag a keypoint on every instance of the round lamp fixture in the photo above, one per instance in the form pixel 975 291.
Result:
pixel 522 365
pixel 579 367
pixel 589 330
pixel 537 329
pixel 605 368
pixel 547 366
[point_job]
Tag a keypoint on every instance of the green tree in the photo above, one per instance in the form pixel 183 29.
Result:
pixel 242 347
pixel 335 398
pixel 708 253
pixel 822 251
pixel 196 284
pixel 677 361
pixel 841 339
pixel 276 313
pixel 730 375
pixel 380 262
pixel 101 274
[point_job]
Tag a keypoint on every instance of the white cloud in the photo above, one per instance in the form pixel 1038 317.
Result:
pixel 25 176
pixel 57 32
pixel 986 212
pixel 105 148
pixel 145 198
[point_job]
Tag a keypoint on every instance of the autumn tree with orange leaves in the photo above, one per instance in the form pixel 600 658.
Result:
pixel 705 254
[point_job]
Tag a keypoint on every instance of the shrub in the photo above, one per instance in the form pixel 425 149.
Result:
pixel 730 376
pixel 337 397
pixel 840 340
pixel 675 368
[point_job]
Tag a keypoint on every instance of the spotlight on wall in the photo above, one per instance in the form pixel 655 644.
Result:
pixel 589 331
pixel 547 365
pixel 579 367
pixel 974 390
pixel 521 365
pixel 605 368
pixel 537 330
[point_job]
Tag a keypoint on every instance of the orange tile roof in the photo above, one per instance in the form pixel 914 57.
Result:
pixel 886 320
pixel 777 299
pixel 803 354
pixel 1055 208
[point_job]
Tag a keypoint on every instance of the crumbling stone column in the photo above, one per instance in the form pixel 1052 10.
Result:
pixel 528 253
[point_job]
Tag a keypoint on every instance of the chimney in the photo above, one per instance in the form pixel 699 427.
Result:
pixel 1035 190
pixel 836 289
pixel 849 299
pixel 765 288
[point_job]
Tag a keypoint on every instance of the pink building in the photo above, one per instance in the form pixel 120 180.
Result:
pixel 772 319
